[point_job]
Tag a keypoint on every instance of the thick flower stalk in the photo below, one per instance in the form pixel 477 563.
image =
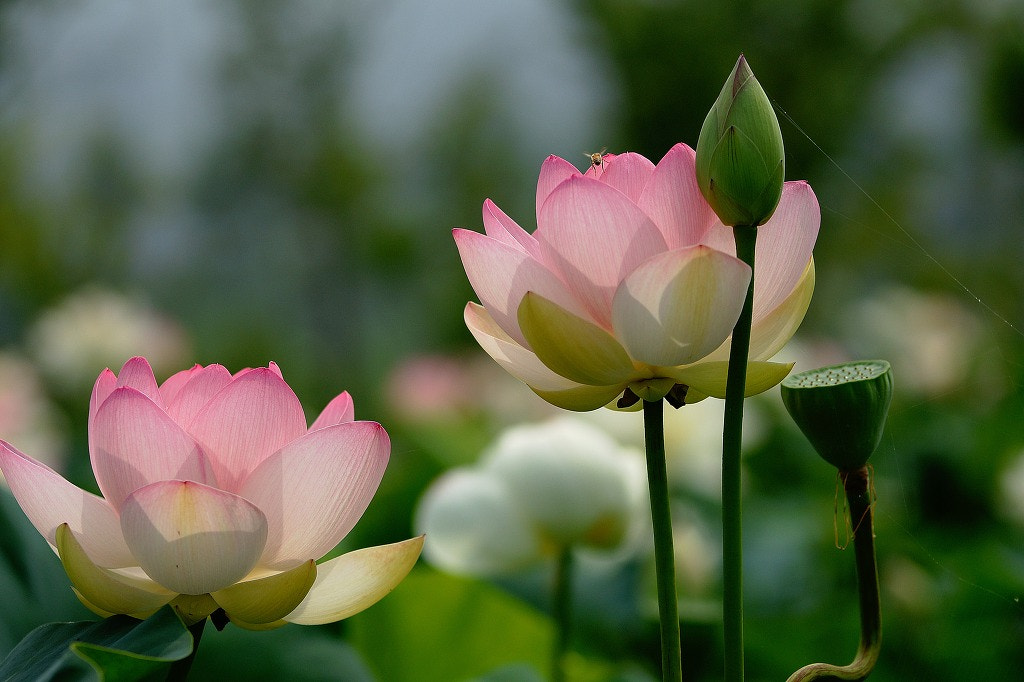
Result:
pixel 216 496
pixel 630 282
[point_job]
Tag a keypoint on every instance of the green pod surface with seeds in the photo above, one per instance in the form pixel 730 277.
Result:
pixel 841 409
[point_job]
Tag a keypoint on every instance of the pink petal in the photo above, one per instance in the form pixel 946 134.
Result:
pixel 169 389
pixel 673 200
pixel 191 538
pixel 499 226
pixel 105 384
pixel 48 501
pixel 137 374
pixel 784 246
pixel 680 305
pixel 315 489
pixel 276 370
pixel 134 443
pixel 193 396
pixel 338 411
pixel 501 275
pixel 628 173
pixel 553 172
pixel 246 422
pixel 595 236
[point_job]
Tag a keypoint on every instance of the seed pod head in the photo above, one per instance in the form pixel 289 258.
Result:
pixel 740 157
pixel 841 409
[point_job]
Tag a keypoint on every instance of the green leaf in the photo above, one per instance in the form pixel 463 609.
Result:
pixel 117 649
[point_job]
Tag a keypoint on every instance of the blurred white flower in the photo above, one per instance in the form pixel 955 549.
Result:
pixel 697 558
pixel 1011 490
pixel 693 439
pixel 96 328
pixel 931 340
pixel 27 418
pixel 539 488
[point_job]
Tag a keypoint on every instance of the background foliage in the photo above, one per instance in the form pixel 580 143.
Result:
pixel 272 180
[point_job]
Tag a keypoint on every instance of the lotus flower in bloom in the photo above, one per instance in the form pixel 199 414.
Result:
pixel 630 282
pixel 216 496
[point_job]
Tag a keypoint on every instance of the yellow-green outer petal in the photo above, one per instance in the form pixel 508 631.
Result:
pixel 575 348
pixel 352 582
pixel 770 333
pixel 709 377
pixel 581 399
pixel 193 608
pixel 101 587
pixel 257 602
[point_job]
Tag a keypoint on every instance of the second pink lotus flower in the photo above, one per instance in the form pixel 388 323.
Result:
pixel 216 495
pixel 630 282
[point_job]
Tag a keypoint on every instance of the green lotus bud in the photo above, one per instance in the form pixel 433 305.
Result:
pixel 740 158
pixel 841 409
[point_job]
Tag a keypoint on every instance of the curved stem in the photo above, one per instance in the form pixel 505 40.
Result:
pixel 664 555
pixel 858 496
pixel 179 669
pixel 732 511
pixel 562 608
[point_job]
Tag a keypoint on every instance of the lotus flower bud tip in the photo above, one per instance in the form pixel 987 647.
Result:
pixel 740 156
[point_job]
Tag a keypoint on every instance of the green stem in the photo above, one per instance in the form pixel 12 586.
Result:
pixel 858 496
pixel 179 669
pixel 562 607
pixel 732 512
pixel 664 555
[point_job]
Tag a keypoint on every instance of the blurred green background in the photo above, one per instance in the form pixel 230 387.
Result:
pixel 240 182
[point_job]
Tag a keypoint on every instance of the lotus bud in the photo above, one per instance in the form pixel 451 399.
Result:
pixel 841 409
pixel 740 157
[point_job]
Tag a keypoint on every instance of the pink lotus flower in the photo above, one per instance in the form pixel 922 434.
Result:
pixel 216 496
pixel 631 281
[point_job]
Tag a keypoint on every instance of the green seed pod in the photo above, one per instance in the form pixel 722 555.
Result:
pixel 740 158
pixel 841 409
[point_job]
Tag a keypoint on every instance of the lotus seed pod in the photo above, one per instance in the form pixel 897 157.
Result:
pixel 841 409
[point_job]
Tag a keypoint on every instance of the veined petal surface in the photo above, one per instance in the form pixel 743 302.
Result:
pixel 191 538
pixel 134 442
pixel 193 395
pixel 527 367
pixel 497 225
pixel 105 384
pixel 137 373
pixel 102 587
pixel 673 200
pixel 315 488
pixel 553 172
pixel 784 245
pixel 680 305
pixel 709 378
pixel 170 387
pixel 501 275
pixel 340 410
pixel 349 583
pixel 629 174
pixel 770 333
pixel 572 346
pixel 49 500
pixel 247 421
pixel 595 236
pixel 266 600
